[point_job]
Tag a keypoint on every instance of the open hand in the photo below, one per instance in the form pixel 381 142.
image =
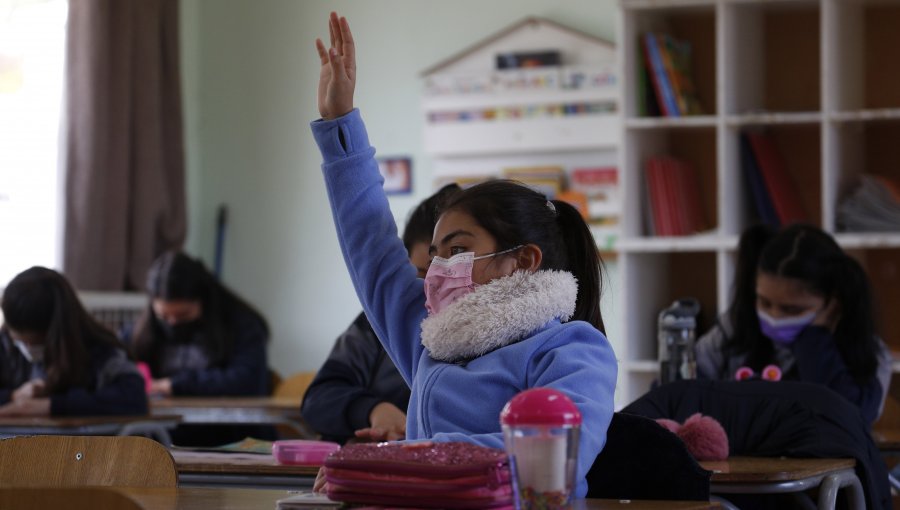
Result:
pixel 337 77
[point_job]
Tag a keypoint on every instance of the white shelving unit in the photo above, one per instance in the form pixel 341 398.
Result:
pixel 821 77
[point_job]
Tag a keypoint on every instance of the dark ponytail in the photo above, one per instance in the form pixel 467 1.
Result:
pixel 583 262
pixel 516 215
pixel 855 332
pixel 746 337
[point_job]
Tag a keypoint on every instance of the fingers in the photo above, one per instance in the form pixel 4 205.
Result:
pixel 323 53
pixel 319 484
pixel 348 47
pixel 337 40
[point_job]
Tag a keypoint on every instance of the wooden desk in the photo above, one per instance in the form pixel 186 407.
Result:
pixel 155 426
pixel 247 470
pixel 234 411
pixel 240 499
pixel 780 475
pixel 887 440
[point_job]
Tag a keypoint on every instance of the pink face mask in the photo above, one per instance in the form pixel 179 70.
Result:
pixel 450 279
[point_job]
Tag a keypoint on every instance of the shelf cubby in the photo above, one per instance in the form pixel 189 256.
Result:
pixel 771 57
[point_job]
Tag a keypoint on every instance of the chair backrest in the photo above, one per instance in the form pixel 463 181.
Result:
pixel 83 498
pixel 643 460
pixel 76 461
pixel 295 385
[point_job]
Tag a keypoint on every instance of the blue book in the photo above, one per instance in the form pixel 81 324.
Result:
pixel 661 77
pixel 761 199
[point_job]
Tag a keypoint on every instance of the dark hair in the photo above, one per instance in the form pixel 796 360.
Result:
pixel 420 224
pixel 176 276
pixel 517 215
pixel 807 254
pixel 40 300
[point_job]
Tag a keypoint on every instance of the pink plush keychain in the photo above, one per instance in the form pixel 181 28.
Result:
pixel 703 435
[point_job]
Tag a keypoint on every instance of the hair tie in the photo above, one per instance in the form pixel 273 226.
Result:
pixel 551 207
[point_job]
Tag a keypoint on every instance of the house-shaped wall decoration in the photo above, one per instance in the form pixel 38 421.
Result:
pixel 535 86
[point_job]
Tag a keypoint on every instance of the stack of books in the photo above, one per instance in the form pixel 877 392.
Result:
pixel 666 87
pixel 549 180
pixel 673 192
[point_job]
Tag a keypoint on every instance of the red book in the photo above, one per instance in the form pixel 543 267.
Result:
pixel 655 188
pixel 676 198
pixel 689 191
pixel 781 187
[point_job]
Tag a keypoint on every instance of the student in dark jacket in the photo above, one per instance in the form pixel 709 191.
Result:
pixel 55 359
pixel 358 392
pixel 803 305
pixel 200 339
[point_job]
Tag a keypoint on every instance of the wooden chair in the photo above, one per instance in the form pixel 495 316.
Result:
pixel 77 461
pixel 294 386
pixel 84 498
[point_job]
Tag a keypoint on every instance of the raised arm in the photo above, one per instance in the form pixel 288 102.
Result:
pixel 337 78
pixel 385 281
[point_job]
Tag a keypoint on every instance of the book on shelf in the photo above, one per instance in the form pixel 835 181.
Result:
pixel 673 197
pixel 677 56
pixel 549 180
pixel 657 72
pixel 873 206
pixel 601 187
pixel 762 203
pixel 781 188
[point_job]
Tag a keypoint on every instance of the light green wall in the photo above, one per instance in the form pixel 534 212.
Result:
pixel 250 74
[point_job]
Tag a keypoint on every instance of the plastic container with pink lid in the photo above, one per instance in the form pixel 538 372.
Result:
pixel 303 452
pixel 540 429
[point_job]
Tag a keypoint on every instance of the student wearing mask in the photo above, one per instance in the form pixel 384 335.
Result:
pixel 804 306
pixel 55 359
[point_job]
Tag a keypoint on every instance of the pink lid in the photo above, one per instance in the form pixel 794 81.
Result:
pixel 540 406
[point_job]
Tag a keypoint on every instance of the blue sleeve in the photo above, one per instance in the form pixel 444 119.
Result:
pixel 385 281
pixel 245 372
pixel 819 361
pixel 124 395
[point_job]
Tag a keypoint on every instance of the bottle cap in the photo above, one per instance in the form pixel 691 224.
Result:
pixel 540 406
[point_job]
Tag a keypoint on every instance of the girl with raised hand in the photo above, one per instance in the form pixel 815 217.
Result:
pixel 510 301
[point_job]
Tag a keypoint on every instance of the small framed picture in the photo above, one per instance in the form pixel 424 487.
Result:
pixel 397 173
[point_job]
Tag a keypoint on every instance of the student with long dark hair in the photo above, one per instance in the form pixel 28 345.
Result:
pixel 198 337
pixel 358 393
pixel 55 359
pixel 805 306
pixel 510 301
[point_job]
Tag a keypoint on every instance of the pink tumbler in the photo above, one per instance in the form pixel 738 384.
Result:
pixel 540 429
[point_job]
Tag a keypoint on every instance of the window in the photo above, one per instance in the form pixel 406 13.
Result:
pixel 32 50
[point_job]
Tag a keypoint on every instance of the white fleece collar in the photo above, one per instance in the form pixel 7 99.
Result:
pixel 499 313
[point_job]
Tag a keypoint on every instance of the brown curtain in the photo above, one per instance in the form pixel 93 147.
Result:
pixel 124 146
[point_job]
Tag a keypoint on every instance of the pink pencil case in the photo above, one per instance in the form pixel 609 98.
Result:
pixel 303 452
pixel 438 475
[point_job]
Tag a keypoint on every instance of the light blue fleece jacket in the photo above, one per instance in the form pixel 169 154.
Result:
pixel 451 401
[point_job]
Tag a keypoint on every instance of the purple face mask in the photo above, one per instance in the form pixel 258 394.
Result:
pixel 784 331
pixel 450 279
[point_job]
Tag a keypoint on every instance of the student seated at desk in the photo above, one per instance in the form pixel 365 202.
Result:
pixel 55 359
pixel 358 392
pixel 511 299
pixel 805 306
pixel 200 339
